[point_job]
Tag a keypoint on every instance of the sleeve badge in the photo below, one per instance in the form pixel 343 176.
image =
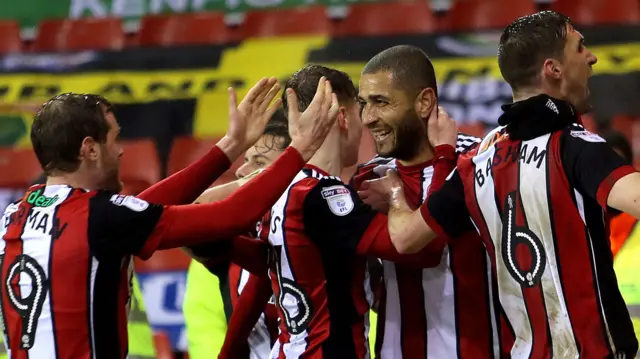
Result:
pixel 339 200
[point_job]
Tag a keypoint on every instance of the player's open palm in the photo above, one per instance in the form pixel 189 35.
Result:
pixel 441 129
pixel 310 128
pixel 248 119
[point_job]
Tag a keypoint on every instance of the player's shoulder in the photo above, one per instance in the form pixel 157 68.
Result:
pixel 330 194
pixel 312 179
pixel 466 143
pixel 104 200
pixel 577 133
pixel 12 208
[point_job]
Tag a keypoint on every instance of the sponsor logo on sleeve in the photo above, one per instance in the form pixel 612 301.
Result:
pixel 587 136
pixel 133 203
pixel 339 200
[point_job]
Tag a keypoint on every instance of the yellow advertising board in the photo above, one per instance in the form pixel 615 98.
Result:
pixel 241 66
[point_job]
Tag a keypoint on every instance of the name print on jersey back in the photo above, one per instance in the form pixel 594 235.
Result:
pixel 512 153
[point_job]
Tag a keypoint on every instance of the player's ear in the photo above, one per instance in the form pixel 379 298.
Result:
pixel 425 101
pixel 89 149
pixel 342 117
pixel 552 69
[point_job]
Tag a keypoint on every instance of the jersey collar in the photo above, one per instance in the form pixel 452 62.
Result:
pixel 317 169
pixel 537 116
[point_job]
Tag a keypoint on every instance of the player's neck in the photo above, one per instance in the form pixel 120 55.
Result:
pixel 328 162
pixel 425 154
pixel 75 180
pixel 329 158
pixel 526 94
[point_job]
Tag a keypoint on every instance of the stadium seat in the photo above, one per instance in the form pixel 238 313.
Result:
pixel 183 29
pixel 80 34
pixel 186 150
pixel 589 123
pixel 486 14
pixel 51 35
pixel 477 129
pixel 599 12
pixel 10 40
pixel 386 18
pixel 625 125
pixel 285 22
pixel 18 168
pixel 139 166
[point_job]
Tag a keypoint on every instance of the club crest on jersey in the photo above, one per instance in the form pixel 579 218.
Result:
pixel 587 136
pixel 133 203
pixel 339 200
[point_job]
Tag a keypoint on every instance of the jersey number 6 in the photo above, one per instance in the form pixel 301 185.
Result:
pixel 522 251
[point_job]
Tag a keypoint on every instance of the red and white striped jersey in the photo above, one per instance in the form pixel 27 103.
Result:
pixel 441 311
pixel 536 190
pixel 66 271
pixel 318 281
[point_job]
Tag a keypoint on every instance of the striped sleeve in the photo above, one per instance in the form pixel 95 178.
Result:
pixel 591 165
pixel 122 225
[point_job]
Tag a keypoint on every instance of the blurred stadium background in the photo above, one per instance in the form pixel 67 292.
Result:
pixel 167 64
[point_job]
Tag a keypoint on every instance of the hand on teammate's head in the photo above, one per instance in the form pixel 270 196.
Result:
pixel 248 119
pixel 441 129
pixel 310 128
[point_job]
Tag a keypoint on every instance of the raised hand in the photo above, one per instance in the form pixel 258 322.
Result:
pixel 309 128
pixel 441 129
pixel 248 119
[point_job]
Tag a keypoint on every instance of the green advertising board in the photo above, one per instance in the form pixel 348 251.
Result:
pixel 30 12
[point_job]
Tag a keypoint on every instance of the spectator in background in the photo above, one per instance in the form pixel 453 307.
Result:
pixel 209 299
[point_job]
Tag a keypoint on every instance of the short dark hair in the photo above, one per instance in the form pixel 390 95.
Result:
pixel 60 126
pixel 305 83
pixel 278 128
pixel 527 43
pixel 411 68
pixel 619 142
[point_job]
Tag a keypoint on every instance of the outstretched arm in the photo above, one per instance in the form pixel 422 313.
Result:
pixel 246 123
pixel 443 214
pixel 223 191
pixel 336 218
pixel 184 186
pixel 444 163
pixel 123 225
pixel 246 252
